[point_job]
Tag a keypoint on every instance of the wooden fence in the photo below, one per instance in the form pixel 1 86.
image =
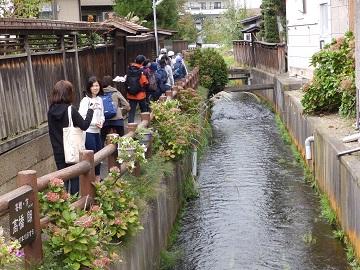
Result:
pixel 29 183
pixel 269 57
pixel 35 54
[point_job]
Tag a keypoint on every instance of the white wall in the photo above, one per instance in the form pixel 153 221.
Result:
pixel 339 17
pixel 248 3
pixel 69 10
pixel 306 30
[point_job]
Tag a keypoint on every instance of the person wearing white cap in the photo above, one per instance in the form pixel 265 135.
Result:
pixel 172 60
pixel 163 52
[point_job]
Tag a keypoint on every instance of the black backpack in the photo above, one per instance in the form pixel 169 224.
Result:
pixel 132 82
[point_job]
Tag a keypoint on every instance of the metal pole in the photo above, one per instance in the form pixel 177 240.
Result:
pixel 155 28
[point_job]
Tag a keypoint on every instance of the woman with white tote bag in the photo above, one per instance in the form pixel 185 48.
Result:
pixel 61 97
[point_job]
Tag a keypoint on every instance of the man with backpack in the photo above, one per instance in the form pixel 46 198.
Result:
pixel 114 104
pixel 136 83
pixel 162 78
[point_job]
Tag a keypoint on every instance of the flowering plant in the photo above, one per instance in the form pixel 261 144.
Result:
pixel 130 151
pixel 9 251
pixel 55 198
pixel 77 238
pixel 117 201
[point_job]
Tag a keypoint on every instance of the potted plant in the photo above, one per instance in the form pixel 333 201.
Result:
pixel 130 151
pixel 144 135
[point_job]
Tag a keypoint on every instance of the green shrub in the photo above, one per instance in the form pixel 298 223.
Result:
pixel 333 86
pixel 213 70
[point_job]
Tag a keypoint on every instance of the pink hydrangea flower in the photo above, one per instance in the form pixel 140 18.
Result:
pixel 95 208
pixel 84 221
pixel 65 196
pixel 118 221
pixel 114 170
pixel 52 196
pixel 56 182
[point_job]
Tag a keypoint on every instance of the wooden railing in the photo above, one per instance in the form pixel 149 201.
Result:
pixel 270 57
pixel 28 181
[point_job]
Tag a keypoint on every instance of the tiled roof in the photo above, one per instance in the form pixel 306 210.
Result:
pixel 12 24
pixel 127 26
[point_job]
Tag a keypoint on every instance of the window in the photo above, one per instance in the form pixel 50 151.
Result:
pixel 324 19
pixel 203 5
pixel 217 5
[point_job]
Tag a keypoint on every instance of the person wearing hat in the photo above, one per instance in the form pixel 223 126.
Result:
pixel 163 52
pixel 136 83
pixel 172 59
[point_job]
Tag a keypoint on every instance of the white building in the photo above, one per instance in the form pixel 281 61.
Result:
pixel 310 25
pixel 249 4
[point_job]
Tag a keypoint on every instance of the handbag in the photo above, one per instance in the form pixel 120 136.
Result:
pixel 74 141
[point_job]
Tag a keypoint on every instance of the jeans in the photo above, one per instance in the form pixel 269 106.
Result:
pixel 72 185
pixel 93 142
pixel 133 104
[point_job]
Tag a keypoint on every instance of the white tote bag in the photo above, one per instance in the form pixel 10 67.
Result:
pixel 74 141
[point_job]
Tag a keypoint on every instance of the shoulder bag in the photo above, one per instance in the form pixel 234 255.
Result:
pixel 74 141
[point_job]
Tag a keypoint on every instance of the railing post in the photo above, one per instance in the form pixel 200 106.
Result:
pixel 33 251
pixel 168 93
pixel 86 180
pixel 132 127
pixel 162 98
pixel 145 116
pixel 112 158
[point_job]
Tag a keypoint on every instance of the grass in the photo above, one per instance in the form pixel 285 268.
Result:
pixel 148 184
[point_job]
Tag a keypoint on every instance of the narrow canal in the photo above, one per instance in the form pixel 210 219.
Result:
pixel 254 210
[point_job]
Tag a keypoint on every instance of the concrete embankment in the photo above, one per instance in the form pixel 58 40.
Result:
pixel 337 177
pixel 143 250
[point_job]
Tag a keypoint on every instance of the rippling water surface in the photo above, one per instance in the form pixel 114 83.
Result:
pixel 254 209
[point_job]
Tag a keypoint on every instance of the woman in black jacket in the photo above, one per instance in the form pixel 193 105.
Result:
pixel 61 97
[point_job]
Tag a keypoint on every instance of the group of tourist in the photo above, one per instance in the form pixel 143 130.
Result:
pixel 103 107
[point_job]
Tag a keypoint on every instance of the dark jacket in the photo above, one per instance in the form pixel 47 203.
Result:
pixel 57 120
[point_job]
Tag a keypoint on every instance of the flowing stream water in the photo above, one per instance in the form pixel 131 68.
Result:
pixel 254 210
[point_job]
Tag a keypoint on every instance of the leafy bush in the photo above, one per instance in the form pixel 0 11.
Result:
pixel 10 253
pixel 333 86
pixel 174 131
pixel 116 200
pixel 213 70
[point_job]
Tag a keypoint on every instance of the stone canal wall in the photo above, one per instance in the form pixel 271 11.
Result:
pixel 339 178
pixel 142 252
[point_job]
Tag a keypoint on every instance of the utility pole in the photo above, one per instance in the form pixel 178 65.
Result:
pixel 54 9
pixel 156 3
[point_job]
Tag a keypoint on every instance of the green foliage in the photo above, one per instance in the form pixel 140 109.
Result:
pixel 225 29
pixel 9 252
pixel 270 10
pixel 130 151
pixel 20 8
pixel 176 131
pixel 81 238
pixel 186 28
pixel 333 86
pixel 326 210
pixel 146 186
pixel 213 69
pixel 167 12
pixel 115 198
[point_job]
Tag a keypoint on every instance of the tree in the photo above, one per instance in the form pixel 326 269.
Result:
pixel 167 12
pixel 186 28
pixel 271 10
pixel 226 28
pixel 20 8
